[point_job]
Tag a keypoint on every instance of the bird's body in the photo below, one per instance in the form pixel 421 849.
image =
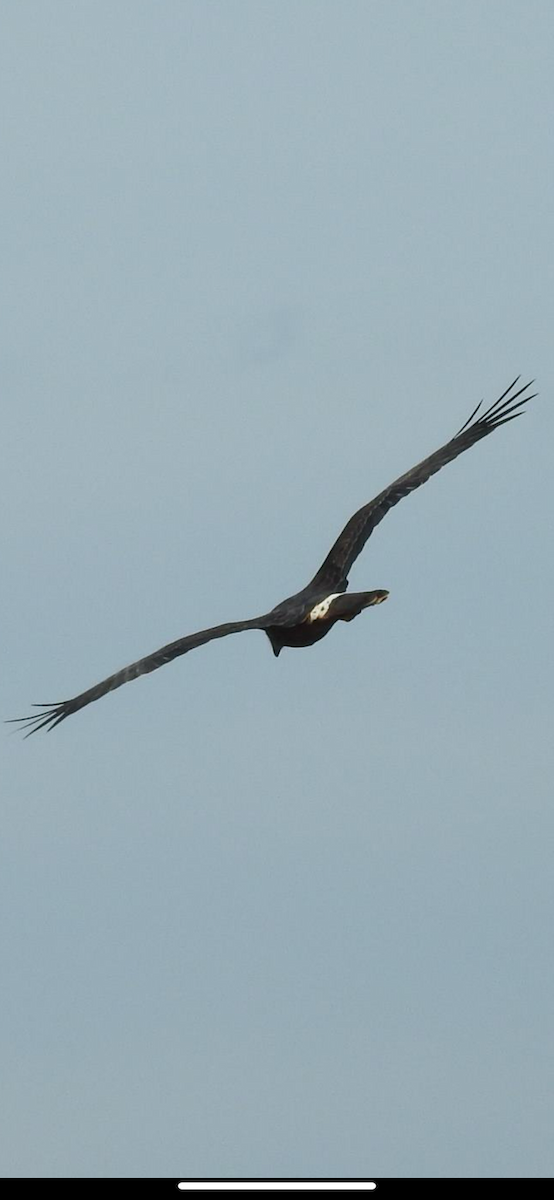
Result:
pixel 306 617
pixel 320 618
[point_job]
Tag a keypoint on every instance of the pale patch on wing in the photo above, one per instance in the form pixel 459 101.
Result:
pixel 322 608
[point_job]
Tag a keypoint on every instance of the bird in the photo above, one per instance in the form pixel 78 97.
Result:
pixel 309 615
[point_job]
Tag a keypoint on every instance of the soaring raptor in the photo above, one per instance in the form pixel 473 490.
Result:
pixel 308 616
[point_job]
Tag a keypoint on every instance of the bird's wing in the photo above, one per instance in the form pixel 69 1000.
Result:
pixel 333 572
pixel 52 714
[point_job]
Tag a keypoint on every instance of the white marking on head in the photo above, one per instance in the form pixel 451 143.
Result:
pixel 321 609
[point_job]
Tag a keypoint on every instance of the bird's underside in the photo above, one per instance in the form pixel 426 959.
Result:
pixel 321 618
pixel 306 617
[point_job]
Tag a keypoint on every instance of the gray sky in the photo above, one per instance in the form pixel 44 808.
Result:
pixel 279 918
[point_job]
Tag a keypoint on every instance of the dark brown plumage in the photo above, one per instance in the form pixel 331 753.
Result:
pixel 306 617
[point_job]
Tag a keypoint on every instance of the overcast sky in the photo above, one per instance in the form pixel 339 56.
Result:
pixel 259 917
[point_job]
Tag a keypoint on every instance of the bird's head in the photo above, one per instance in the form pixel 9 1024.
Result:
pixel 378 596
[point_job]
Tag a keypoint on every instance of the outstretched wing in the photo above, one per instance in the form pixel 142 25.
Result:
pixel 333 573
pixel 52 714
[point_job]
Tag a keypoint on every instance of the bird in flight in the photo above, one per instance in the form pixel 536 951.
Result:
pixel 308 616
